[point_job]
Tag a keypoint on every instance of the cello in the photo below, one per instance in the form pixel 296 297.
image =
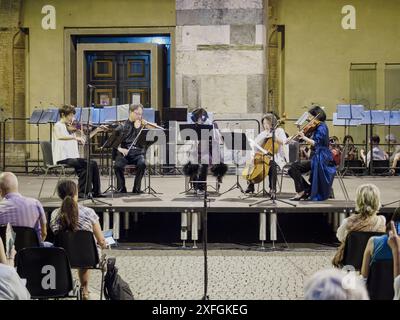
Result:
pixel 258 167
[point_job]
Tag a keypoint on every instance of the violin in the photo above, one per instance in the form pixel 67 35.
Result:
pixel 308 129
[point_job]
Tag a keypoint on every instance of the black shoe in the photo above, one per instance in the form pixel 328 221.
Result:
pixel 81 195
pixel 250 188
pixel 99 195
pixel 303 197
pixel 137 191
pixel 123 190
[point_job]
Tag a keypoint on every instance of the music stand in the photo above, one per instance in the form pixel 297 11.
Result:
pixel 113 141
pixel 197 130
pixel 371 118
pixel 236 142
pixel 35 119
pixel 170 117
pixel 142 142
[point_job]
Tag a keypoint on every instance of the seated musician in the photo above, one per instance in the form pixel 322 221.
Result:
pixel 321 163
pixel 198 168
pixel 127 152
pixel 335 149
pixel 269 121
pixel 65 151
pixel 352 151
pixel 395 155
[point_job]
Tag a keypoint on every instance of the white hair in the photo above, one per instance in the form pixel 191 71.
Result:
pixel 335 284
pixel 8 182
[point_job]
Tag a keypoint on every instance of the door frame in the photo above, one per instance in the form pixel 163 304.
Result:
pixel 70 55
pixel 155 76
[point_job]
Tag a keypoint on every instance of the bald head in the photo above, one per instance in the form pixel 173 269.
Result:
pixel 8 183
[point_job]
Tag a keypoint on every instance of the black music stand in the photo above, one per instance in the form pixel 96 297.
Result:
pixel 371 118
pixel 171 116
pixel 112 142
pixel 197 130
pixel 86 116
pixel 236 142
pixel 144 142
pixel 35 119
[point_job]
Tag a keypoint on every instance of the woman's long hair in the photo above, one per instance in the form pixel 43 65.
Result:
pixel 69 212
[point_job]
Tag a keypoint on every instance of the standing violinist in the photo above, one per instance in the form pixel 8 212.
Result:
pixel 269 122
pixel 130 130
pixel 321 162
pixel 65 151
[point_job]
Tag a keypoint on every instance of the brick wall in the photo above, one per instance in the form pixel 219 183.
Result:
pixel 12 76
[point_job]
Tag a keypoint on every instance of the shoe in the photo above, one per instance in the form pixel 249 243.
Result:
pixel 136 191
pixel 250 188
pixel 123 190
pixel 302 197
pixel 99 195
pixel 81 195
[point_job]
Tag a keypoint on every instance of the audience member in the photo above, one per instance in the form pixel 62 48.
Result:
pixel 72 216
pixel 377 152
pixel 394 244
pixel 18 210
pixel 378 248
pixel 366 219
pixel 11 285
pixel 335 284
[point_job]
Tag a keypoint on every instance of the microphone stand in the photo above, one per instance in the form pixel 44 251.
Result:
pixel 89 195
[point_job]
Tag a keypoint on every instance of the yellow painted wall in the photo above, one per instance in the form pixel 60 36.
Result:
pixel 318 52
pixel 45 72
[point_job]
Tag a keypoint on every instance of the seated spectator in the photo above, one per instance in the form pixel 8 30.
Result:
pixel 366 219
pixel 11 285
pixel 18 210
pixel 334 284
pixel 378 248
pixel 352 151
pixel 378 153
pixel 73 217
pixel 394 244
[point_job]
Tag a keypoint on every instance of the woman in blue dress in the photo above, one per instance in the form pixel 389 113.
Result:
pixel 321 165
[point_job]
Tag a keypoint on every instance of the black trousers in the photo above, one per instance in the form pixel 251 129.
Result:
pixel 200 175
pixel 80 166
pixel 136 159
pixel 272 175
pixel 296 172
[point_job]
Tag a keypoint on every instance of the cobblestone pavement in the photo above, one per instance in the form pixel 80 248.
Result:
pixel 233 274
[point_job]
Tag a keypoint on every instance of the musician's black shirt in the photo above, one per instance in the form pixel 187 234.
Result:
pixel 129 133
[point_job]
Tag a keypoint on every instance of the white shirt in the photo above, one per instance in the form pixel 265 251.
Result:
pixel 63 149
pixel 282 155
pixel 378 154
pixel 11 285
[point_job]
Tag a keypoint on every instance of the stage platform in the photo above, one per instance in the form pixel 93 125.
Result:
pixel 173 200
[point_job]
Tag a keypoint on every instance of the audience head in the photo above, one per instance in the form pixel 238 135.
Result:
pixel 348 139
pixel 68 193
pixel 8 183
pixel 335 284
pixel 375 139
pixel 368 199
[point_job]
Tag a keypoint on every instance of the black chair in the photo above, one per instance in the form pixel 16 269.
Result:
pixel 380 166
pixel 380 280
pixel 81 250
pixel 47 273
pixel 25 237
pixel 354 167
pixel 356 241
